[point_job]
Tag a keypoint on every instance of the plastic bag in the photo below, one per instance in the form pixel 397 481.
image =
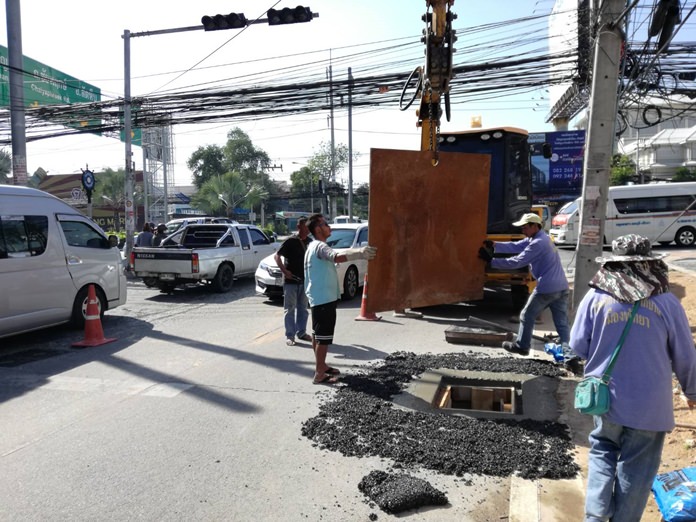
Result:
pixel 556 350
pixel 592 396
pixel 675 494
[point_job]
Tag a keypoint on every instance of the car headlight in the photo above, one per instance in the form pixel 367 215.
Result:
pixel 265 266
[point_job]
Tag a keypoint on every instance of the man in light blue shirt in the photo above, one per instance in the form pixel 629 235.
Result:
pixel 626 443
pixel 538 252
pixel 324 291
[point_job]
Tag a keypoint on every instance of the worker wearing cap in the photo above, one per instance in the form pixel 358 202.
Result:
pixel 538 252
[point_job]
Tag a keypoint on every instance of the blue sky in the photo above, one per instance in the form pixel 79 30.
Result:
pixel 85 41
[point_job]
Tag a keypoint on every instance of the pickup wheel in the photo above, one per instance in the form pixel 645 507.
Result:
pixel 350 284
pixel 150 282
pixel 79 310
pixel 223 279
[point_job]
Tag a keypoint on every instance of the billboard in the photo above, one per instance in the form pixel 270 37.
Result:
pixel 559 177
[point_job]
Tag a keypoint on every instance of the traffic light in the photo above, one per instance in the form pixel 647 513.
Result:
pixel 289 16
pixel 220 22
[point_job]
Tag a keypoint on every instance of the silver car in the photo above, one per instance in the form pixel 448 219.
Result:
pixel 269 278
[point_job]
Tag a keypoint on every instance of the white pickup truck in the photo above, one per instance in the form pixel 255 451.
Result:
pixel 212 254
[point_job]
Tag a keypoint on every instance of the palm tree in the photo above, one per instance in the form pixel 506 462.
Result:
pixel 5 167
pixel 221 194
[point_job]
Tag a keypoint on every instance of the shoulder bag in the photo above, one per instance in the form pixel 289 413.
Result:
pixel 592 394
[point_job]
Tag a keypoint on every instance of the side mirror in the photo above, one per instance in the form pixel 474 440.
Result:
pixel 113 240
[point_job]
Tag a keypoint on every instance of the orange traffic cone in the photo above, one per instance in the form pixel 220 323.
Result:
pixel 94 335
pixel 364 316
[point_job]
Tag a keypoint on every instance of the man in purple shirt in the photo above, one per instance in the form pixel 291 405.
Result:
pixel 626 443
pixel 538 252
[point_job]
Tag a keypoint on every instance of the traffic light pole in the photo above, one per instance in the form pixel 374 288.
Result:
pixel 600 144
pixel 284 16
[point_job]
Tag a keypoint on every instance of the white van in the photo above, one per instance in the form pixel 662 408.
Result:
pixel 49 255
pixel 662 212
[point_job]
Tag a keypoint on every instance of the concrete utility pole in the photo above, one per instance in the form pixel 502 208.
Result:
pixel 16 62
pixel 600 144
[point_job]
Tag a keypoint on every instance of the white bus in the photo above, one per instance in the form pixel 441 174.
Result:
pixel 662 212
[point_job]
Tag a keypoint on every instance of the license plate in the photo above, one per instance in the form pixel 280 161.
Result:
pixel 279 281
pixel 166 277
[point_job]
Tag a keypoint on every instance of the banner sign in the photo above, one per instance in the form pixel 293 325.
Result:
pixel 559 176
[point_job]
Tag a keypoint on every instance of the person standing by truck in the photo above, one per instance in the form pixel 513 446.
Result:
pixel 144 239
pixel 294 298
pixel 538 252
pixel 324 291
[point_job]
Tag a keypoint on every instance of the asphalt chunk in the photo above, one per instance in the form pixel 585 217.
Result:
pixel 395 493
pixel 359 420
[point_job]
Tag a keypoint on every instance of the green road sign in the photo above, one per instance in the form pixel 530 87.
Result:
pixel 44 85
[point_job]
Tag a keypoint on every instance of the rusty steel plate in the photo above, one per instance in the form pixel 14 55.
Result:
pixel 427 224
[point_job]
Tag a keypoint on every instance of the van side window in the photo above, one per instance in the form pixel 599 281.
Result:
pixel 79 234
pixel 653 204
pixel 23 236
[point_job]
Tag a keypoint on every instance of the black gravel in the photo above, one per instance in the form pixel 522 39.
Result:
pixel 395 493
pixel 359 420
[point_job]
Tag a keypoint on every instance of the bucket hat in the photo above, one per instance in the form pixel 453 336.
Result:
pixel 631 248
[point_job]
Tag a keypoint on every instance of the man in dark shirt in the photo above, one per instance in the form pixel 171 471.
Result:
pixel 295 300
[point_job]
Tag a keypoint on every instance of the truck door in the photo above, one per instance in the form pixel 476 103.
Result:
pixel 261 246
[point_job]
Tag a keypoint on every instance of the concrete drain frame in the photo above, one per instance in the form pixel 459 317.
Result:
pixel 486 395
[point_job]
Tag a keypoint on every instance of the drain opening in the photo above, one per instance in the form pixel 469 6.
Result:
pixel 476 398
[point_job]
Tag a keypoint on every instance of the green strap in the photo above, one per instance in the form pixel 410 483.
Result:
pixel 615 355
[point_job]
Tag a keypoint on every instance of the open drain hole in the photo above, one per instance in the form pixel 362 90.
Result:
pixel 476 398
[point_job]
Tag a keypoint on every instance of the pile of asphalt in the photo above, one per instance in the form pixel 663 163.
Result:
pixel 397 492
pixel 360 420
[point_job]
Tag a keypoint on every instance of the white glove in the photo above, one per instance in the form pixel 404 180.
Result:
pixel 366 252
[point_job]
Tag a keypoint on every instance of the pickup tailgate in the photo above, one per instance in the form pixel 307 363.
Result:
pixel 161 262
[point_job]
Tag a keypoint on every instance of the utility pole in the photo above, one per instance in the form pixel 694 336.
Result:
pixel 16 62
pixel 350 144
pixel 600 144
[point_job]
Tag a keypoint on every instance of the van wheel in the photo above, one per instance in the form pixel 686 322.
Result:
pixel 685 237
pixel 79 310
pixel 350 284
pixel 519 294
pixel 223 279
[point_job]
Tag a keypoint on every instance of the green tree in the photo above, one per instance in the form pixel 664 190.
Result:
pixel 109 189
pixel 206 163
pixel 221 195
pixel 5 167
pixel 304 190
pixel 684 174
pixel 623 170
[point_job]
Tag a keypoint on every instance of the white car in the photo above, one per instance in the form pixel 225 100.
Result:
pixel 269 278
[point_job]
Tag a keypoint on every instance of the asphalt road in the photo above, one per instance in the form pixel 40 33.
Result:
pixel 195 413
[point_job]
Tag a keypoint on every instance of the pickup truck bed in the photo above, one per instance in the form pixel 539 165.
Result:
pixel 208 254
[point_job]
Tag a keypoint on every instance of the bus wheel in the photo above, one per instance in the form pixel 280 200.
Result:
pixel 685 237
pixel 519 294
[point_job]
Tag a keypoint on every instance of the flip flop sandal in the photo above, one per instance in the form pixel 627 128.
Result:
pixel 327 379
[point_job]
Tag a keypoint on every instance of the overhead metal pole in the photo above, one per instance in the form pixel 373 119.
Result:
pixel 600 144
pixel 16 63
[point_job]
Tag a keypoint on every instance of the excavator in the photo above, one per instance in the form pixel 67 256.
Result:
pixel 510 190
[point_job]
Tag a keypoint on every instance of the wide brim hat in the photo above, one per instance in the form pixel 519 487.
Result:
pixel 631 248
pixel 527 218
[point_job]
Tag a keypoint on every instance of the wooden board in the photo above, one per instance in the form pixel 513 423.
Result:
pixel 427 224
